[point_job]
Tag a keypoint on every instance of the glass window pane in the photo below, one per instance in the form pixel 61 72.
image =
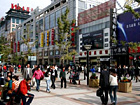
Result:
pixel 17 20
pixel 13 20
pixel 58 14
pixel 52 20
pixel 63 10
pixel 81 4
pixel 46 22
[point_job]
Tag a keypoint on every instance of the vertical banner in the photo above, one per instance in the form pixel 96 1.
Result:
pixel 42 40
pixel 18 48
pixel 11 47
pixel 53 35
pixel 47 38
pixel 15 47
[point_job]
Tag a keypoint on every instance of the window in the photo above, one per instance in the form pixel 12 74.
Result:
pixel 17 20
pixel 63 10
pixel 52 20
pixel 46 53
pixel 58 14
pixel 81 4
pixel 106 34
pixel 41 25
pixel 13 20
pixel 106 45
pixel 47 23
pixel 13 25
pixel 51 52
pixel 106 39
pixel 57 53
pixel 13 29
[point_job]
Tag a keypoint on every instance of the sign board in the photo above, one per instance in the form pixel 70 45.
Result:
pixel 120 51
pixel 128 27
pixel 97 12
pixel 31 58
pixel 104 59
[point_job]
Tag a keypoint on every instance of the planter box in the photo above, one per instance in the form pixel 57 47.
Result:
pixel 93 82
pixel 125 86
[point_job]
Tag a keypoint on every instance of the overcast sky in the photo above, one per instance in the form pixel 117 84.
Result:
pixel 5 5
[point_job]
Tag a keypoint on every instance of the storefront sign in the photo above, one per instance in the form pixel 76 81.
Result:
pixel 104 59
pixel 97 12
pixel 31 58
pixel 120 51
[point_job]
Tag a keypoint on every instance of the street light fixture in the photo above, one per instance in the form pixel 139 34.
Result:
pixel 87 47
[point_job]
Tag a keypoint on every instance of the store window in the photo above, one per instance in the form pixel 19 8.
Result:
pixel 45 53
pixel 57 52
pixel 51 53
pixel 17 20
pixel 41 25
pixel 40 54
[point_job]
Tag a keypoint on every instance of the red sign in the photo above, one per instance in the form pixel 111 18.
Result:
pixel 15 48
pixel 18 48
pixel 53 35
pixel 17 7
pixel 97 12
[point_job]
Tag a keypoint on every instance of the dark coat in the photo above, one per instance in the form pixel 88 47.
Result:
pixel 104 79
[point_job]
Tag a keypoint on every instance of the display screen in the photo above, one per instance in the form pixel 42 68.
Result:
pixel 128 27
pixel 93 38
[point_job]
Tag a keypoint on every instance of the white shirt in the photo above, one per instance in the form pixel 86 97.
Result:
pixel 113 80
pixel 53 72
pixel 56 67
pixel 28 70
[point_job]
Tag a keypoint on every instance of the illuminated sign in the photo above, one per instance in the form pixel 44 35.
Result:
pixel 97 12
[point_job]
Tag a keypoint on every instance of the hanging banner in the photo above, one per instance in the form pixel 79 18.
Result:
pixel 42 39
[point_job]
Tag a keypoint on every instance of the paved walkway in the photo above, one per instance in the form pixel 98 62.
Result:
pixel 80 95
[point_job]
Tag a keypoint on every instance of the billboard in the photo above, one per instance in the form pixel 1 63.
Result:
pixel 93 38
pixel 128 27
pixel 97 12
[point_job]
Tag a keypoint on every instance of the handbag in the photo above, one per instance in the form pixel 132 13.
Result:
pixel 42 77
pixel 99 92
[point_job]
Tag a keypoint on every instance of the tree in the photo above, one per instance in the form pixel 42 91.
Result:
pixel 29 45
pixel 5 49
pixel 65 40
pixel 16 59
pixel 129 7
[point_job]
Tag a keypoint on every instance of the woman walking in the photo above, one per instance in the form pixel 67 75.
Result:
pixel 113 86
pixel 48 79
pixel 38 74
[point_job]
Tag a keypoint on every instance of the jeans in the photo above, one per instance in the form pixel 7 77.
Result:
pixel 23 97
pixel 114 89
pixel 53 82
pixel 48 85
pixel 37 83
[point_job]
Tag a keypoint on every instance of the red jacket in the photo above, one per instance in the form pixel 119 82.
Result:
pixel 24 87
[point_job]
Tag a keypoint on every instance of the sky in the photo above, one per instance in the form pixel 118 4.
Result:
pixel 5 5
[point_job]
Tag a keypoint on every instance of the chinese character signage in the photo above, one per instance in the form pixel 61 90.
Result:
pixel 42 40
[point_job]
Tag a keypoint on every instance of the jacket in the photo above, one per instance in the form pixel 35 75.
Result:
pixel 38 74
pixel 62 74
pixel 23 87
pixel 104 79
pixel 26 73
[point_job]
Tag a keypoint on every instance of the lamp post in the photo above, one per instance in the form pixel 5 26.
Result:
pixel 87 47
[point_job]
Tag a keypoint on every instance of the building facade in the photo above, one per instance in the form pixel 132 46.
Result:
pixel 44 26
pixel 95 29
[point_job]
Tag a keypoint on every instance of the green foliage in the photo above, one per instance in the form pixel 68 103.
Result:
pixel 64 34
pixel 29 46
pixel 5 49
pixel 16 59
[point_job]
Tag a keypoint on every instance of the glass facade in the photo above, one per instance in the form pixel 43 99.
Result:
pixel 41 25
pixel 52 20
pixel 17 20
pixel 47 23
pixel 58 14
pixel 81 4
pixel 63 10
pixel 13 20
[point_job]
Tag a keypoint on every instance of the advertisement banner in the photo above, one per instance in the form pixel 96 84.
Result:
pixel 128 27
pixel 93 38
pixel 42 40
pixel 97 12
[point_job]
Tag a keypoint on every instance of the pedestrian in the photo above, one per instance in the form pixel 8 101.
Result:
pixel 132 71
pixel 0 69
pixel 104 85
pixel 63 77
pixel 113 86
pixel 28 72
pixel 5 71
pixel 53 76
pixel 38 74
pixel 23 91
pixel 137 74
pixel 85 72
pixel 124 70
pixel 48 79
pixel 119 73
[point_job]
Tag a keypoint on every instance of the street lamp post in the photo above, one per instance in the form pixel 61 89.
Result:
pixel 87 47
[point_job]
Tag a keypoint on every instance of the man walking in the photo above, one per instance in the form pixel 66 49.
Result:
pixel 28 72
pixel 104 84
pixel 63 77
